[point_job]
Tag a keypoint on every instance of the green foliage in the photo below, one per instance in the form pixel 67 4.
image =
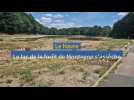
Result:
pixel 124 28
pixel 19 22
pixel 90 31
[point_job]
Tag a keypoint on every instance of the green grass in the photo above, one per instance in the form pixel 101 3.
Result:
pixel 26 75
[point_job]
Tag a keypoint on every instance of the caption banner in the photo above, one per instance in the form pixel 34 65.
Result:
pixel 67 54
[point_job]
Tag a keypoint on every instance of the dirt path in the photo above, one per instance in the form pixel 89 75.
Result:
pixel 124 75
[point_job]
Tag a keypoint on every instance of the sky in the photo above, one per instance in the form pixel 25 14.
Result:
pixel 77 19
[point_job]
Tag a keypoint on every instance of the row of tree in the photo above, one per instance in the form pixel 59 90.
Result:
pixel 91 31
pixel 20 22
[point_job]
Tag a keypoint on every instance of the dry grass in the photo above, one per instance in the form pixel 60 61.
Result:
pixel 52 72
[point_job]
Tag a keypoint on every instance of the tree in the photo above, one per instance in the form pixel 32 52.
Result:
pixel 124 28
pixel 19 22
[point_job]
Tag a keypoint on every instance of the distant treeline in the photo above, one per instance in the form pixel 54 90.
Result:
pixel 20 22
pixel 91 31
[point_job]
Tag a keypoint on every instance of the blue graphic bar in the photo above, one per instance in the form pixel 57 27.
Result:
pixel 72 54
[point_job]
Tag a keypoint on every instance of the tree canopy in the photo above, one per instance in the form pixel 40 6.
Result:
pixel 20 22
pixel 124 28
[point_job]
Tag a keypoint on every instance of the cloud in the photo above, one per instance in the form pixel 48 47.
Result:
pixel 53 15
pixel 58 16
pixel 122 14
pixel 37 20
pixel 115 20
pixel 64 25
pixel 46 20
pixel 58 23
pixel 48 15
pixel 28 12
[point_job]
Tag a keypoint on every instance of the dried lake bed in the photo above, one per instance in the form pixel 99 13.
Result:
pixel 54 72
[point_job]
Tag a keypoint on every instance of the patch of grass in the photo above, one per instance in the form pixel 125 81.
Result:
pixel 86 38
pixel 81 69
pixel 77 68
pixel 85 74
pixel 40 84
pixel 62 72
pixel 23 39
pixel 55 66
pixel 1 39
pixel 26 74
pixel 101 71
pixel 9 81
pixel 56 36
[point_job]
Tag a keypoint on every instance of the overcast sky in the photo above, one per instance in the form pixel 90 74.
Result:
pixel 77 19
